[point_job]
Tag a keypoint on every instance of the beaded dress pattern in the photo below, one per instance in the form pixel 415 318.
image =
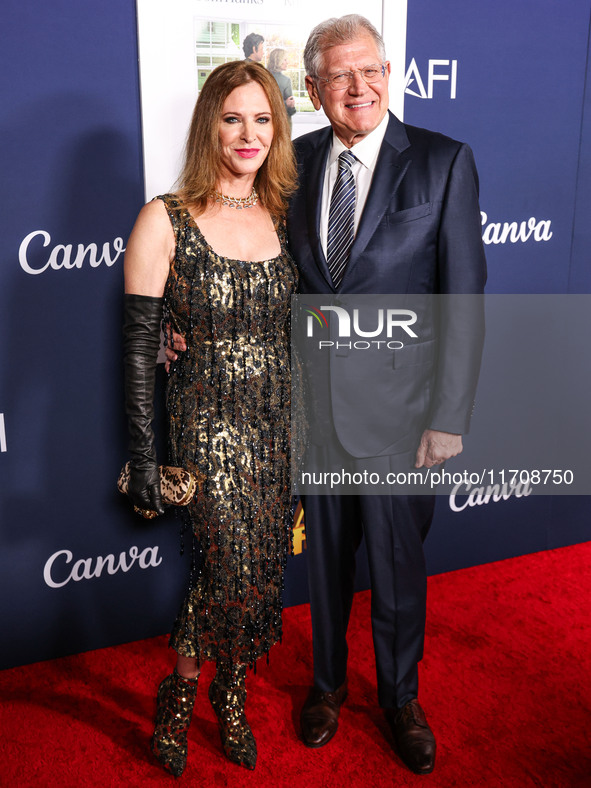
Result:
pixel 228 404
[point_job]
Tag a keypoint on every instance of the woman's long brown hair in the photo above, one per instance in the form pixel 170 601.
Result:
pixel 276 178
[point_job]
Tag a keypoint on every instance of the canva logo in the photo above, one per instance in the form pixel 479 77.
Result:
pixel 515 232
pixel 480 496
pixel 58 572
pixel 437 71
pixel 64 256
pixel 387 320
pixel 2 433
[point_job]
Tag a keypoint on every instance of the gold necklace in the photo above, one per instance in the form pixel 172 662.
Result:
pixel 237 202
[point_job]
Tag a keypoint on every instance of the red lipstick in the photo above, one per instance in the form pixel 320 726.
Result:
pixel 247 153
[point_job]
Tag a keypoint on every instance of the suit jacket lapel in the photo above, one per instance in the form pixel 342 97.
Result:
pixel 315 169
pixel 389 172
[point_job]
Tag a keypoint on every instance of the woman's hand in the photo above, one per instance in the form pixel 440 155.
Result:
pixel 144 488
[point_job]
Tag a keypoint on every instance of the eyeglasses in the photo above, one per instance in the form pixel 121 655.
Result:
pixel 343 79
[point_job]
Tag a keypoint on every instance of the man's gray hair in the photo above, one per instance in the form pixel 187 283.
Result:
pixel 335 31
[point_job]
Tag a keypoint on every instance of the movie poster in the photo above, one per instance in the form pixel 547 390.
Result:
pixel 181 42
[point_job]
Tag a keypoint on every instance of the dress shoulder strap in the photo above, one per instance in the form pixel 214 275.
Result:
pixel 282 233
pixel 176 211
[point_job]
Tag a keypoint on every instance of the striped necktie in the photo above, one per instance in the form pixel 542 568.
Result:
pixel 341 217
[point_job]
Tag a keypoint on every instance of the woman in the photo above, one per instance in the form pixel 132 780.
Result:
pixel 278 63
pixel 212 259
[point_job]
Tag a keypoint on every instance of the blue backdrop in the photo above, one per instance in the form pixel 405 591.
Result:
pixel 77 569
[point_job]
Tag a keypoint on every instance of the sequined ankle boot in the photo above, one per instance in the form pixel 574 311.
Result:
pixel 176 696
pixel 227 693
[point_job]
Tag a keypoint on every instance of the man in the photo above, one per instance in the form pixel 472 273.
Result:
pixel 415 228
pixel 253 46
pixel 277 63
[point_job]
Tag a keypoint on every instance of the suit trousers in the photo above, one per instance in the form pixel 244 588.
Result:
pixel 394 528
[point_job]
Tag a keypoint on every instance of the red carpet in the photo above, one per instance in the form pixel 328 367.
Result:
pixel 504 682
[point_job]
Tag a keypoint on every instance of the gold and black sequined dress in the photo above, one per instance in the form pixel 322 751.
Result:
pixel 228 404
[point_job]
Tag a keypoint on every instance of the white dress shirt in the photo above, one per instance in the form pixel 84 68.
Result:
pixel 366 151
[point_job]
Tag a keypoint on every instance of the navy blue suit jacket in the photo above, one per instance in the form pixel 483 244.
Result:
pixel 419 234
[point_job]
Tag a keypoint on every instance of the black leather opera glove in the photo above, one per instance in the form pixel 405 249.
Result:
pixel 141 340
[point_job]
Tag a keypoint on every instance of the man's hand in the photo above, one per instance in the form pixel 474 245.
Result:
pixel 176 342
pixel 436 447
pixel 290 102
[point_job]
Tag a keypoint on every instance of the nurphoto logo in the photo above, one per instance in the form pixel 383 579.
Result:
pixel 387 322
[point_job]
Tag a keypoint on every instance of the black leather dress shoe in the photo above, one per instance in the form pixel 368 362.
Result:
pixel 320 715
pixel 413 736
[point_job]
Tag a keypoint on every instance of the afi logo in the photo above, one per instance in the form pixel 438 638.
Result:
pixel 390 318
pixel 438 71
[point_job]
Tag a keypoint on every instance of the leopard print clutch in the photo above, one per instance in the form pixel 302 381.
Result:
pixel 177 487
